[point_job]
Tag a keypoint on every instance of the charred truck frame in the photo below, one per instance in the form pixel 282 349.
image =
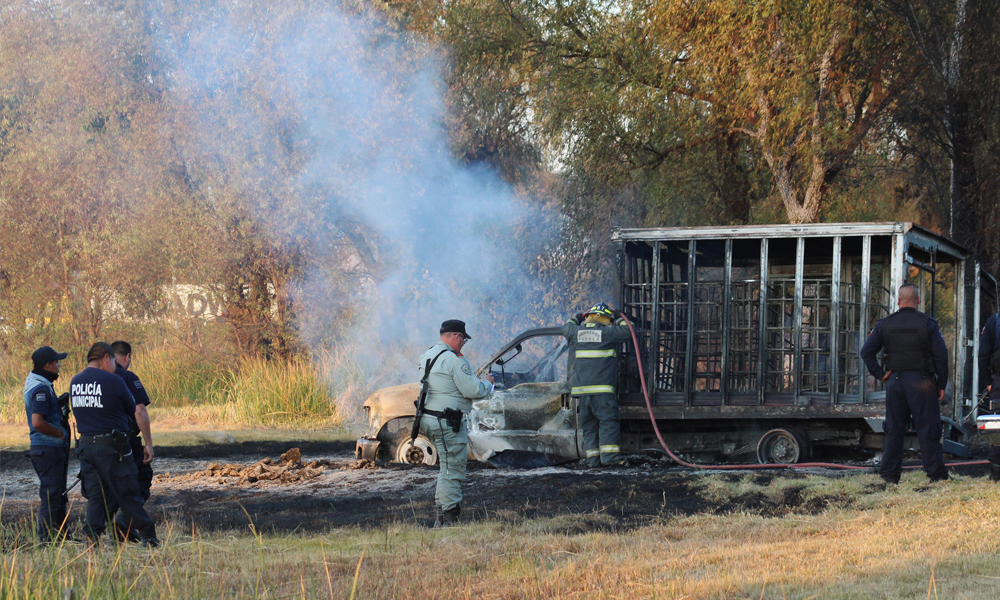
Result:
pixel 749 339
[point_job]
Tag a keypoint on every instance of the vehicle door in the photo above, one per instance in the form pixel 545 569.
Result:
pixel 531 407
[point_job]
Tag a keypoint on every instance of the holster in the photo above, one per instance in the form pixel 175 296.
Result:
pixel 120 444
pixel 454 419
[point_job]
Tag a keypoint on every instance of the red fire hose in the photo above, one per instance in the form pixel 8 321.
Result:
pixel 680 461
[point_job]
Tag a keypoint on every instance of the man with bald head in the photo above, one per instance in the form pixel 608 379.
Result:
pixel 916 374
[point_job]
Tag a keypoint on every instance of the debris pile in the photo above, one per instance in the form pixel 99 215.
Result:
pixel 363 463
pixel 289 468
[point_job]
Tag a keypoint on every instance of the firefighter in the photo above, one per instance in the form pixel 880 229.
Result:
pixel 102 405
pixel 989 373
pixel 49 436
pixel 916 372
pixel 451 388
pixel 594 342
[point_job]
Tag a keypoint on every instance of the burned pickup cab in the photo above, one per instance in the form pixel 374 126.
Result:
pixel 530 409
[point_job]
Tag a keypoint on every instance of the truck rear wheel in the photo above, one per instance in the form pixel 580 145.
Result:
pixel 395 438
pixel 783 446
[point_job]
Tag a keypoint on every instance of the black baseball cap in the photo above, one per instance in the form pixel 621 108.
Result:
pixel 455 326
pixel 45 355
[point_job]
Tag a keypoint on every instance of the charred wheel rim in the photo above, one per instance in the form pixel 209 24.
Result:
pixel 420 451
pixel 782 446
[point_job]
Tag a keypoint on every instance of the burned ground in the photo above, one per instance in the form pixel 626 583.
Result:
pixel 327 488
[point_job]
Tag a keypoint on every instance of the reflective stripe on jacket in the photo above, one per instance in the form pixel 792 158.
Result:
pixel 595 353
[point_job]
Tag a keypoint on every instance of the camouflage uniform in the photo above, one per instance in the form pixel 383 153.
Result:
pixel 450 384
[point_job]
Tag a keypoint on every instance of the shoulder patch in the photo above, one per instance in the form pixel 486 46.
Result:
pixel 138 384
pixel 40 397
pixel 466 369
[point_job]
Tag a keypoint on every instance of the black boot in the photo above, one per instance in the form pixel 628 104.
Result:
pixel 994 472
pixel 450 516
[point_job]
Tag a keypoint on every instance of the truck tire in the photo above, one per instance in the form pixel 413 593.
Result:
pixel 783 446
pixel 397 446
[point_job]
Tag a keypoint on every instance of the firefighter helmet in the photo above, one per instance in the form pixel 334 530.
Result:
pixel 600 309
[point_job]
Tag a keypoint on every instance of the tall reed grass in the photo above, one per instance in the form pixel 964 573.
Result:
pixel 216 391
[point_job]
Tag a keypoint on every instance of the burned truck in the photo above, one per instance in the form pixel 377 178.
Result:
pixel 748 337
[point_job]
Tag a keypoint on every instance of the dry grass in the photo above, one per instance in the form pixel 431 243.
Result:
pixel 915 541
pixel 249 393
pixel 184 431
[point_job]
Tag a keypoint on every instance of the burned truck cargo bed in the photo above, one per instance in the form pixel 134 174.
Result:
pixel 748 337
pixel 761 325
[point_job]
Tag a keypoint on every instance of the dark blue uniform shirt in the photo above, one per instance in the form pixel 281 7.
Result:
pixel 987 344
pixel 939 352
pixel 39 399
pixel 133 384
pixel 100 401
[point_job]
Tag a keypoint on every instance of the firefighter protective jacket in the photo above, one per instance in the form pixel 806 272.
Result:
pixel 595 352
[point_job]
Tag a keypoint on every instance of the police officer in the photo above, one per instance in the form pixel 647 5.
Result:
pixel 916 369
pixel 142 447
pixel 451 388
pixel 102 406
pixel 49 435
pixel 594 342
pixel 989 374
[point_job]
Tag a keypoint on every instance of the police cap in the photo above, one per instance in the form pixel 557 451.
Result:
pixel 46 355
pixel 455 326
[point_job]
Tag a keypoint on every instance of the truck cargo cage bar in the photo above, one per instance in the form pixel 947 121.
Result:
pixel 767 321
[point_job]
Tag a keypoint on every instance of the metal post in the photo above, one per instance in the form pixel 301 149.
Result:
pixel 762 324
pixel 689 349
pixel 654 325
pixel 835 321
pixel 897 268
pixel 977 315
pixel 800 252
pixel 727 307
pixel 866 268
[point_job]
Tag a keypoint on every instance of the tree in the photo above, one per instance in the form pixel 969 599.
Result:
pixel 77 164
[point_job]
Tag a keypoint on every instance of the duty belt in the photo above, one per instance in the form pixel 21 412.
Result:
pixel 452 416
pixel 105 439
pixel 437 413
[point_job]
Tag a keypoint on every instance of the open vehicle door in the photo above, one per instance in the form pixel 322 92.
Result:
pixel 531 408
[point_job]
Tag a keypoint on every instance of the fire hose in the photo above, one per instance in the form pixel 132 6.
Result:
pixel 680 461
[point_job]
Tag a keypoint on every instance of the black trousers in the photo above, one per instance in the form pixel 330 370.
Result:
pixel 109 484
pixel 994 455
pixel 912 394
pixel 50 464
pixel 144 474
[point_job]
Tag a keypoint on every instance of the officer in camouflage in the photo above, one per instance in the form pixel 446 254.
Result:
pixel 594 342
pixel 451 388
pixel 916 372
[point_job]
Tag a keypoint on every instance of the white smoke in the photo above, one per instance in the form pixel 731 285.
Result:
pixel 387 206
